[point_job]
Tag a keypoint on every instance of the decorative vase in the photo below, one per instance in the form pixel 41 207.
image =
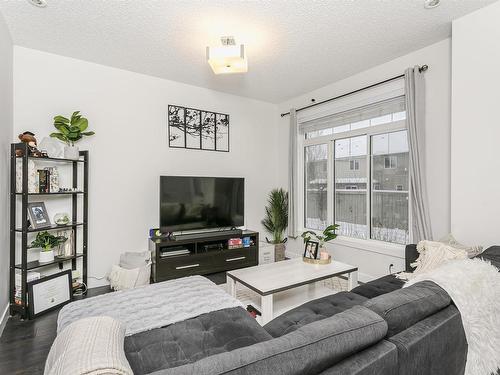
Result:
pixel 61 218
pixel 71 152
pixel 279 252
pixel 46 256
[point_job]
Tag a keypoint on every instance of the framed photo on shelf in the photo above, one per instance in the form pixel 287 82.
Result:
pixel 311 250
pixel 49 293
pixel 37 213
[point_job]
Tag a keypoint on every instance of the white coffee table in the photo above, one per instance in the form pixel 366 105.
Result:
pixel 268 279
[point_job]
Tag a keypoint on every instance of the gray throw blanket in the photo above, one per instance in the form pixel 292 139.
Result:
pixel 151 306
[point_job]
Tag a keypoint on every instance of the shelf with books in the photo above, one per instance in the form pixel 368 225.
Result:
pixel 24 177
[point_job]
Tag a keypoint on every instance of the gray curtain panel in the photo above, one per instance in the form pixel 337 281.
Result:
pixel 292 175
pixel 415 120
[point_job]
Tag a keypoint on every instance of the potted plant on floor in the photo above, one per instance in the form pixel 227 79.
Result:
pixel 276 221
pixel 47 242
pixel 328 234
pixel 71 131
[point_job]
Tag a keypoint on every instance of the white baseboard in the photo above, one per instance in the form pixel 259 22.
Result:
pixel 5 317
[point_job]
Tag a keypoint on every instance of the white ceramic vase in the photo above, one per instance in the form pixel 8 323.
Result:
pixel 46 256
pixel 71 152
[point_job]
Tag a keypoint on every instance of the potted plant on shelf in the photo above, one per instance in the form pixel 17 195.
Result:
pixel 71 131
pixel 276 221
pixel 47 242
pixel 328 234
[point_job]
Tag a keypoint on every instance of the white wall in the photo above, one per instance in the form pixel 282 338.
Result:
pixel 475 137
pixel 5 138
pixel 130 150
pixel 374 260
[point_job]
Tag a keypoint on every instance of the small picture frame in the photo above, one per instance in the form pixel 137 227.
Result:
pixel 49 293
pixel 311 250
pixel 37 213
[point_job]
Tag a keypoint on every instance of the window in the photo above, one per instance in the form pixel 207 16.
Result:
pixel 390 162
pixel 356 172
pixel 389 201
pixel 350 204
pixel 354 165
pixel 316 175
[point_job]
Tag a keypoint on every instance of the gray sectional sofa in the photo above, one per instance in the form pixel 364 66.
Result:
pixel 377 328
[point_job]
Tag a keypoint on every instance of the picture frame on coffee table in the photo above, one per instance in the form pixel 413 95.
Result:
pixel 311 250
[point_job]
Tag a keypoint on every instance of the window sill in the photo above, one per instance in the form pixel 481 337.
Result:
pixel 374 246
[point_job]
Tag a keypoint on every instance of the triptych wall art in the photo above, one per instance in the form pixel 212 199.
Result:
pixel 197 129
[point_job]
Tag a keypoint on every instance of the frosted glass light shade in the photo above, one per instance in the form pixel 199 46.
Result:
pixel 227 59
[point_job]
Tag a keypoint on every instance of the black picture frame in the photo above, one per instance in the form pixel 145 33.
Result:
pixel 32 296
pixel 311 250
pixel 37 213
pixel 197 129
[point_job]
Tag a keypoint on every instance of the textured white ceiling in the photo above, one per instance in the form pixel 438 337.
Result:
pixel 293 46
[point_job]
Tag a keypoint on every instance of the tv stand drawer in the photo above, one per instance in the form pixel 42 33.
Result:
pixel 236 258
pixel 187 265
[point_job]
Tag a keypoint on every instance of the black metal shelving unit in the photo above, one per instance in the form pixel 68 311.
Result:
pixel 25 230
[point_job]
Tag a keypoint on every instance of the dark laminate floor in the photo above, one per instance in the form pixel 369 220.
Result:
pixel 24 345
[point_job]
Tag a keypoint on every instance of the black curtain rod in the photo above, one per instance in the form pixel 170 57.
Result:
pixel 421 69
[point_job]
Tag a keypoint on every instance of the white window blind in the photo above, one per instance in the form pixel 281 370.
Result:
pixel 355 116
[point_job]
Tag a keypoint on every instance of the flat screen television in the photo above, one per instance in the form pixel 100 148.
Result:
pixel 196 203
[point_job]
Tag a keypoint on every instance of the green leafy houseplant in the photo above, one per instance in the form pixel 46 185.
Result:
pixel 47 241
pixel 71 130
pixel 276 219
pixel 328 234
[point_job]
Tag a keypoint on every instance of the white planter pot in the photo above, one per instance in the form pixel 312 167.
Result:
pixel 46 256
pixel 71 152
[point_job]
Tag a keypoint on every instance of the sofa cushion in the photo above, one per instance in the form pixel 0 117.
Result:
pixel 435 345
pixel 381 358
pixel 193 339
pixel 405 307
pixel 312 311
pixel 310 349
pixel 375 288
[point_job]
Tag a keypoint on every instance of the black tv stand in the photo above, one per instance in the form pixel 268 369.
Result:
pixel 201 235
pixel 201 254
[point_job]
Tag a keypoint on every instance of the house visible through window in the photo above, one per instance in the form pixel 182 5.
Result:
pixel 356 172
pixel 390 162
pixel 354 165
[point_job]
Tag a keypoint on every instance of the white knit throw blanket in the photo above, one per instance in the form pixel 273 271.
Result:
pixel 432 254
pixel 152 306
pixel 474 287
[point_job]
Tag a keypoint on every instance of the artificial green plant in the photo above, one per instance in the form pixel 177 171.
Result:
pixel 276 219
pixel 71 130
pixel 328 234
pixel 47 241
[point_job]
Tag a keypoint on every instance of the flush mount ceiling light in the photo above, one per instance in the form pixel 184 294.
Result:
pixel 38 3
pixel 228 58
pixel 429 4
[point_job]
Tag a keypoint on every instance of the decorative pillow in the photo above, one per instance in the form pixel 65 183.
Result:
pixel 472 251
pixel 432 255
pixel 130 260
pixel 89 346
